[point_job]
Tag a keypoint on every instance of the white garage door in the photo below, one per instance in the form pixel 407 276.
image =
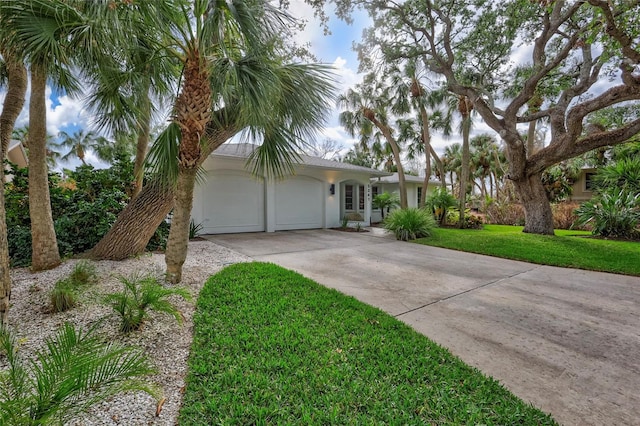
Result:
pixel 299 203
pixel 233 202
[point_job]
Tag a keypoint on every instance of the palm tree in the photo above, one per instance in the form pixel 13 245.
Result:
pixel 16 81
pixel 452 160
pixel 47 34
pixel 80 143
pixel 464 108
pixel 127 92
pixel 365 108
pixel 253 90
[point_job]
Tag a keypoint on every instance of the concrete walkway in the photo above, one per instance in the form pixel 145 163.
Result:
pixel 566 340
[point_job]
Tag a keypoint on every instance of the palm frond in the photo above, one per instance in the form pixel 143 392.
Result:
pixel 162 159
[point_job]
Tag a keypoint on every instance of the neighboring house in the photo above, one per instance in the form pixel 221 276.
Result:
pixel 391 184
pixel 17 155
pixel 319 195
pixel 582 189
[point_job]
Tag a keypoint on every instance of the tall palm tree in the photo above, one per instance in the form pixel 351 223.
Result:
pixel 367 107
pixel 464 108
pixel 127 91
pixel 47 34
pixel 16 81
pixel 79 143
pixel 452 161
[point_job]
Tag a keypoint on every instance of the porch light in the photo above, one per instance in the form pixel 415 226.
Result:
pixel 332 189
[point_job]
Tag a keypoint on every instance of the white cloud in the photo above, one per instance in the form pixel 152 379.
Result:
pixel 68 113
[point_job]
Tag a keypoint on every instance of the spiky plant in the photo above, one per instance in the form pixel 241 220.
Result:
pixel 63 296
pixel 612 213
pixel 72 372
pixel 142 294
pixel 409 224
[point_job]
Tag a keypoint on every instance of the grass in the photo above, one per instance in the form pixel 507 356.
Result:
pixel 568 249
pixel 273 347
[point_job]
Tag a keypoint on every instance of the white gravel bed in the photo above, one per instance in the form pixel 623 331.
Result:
pixel 165 341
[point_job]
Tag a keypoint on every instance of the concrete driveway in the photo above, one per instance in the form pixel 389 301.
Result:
pixel 566 340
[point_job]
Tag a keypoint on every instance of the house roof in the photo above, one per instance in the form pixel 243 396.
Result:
pixel 17 154
pixel 408 178
pixel 244 150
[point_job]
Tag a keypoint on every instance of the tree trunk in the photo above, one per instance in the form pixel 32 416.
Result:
pixel 44 250
pixel 537 210
pixel 142 144
pixel 396 156
pixel 176 252
pixel 136 224
pixel 426 139
pixel 440 166
pixel 531 139
pixel 464 169
pixel 13 103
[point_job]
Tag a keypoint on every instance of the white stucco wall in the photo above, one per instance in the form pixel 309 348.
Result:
pixel 288 204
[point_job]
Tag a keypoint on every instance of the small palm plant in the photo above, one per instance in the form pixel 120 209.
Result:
pixel 142 294
pixel 409 224
pixel 74 371
pixel 439 202
pixel 385 201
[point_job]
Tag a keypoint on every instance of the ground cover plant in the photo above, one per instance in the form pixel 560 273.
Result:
pixel 570 249
pixel 273 347
pixel 73 371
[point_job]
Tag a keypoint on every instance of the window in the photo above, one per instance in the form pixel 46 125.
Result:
pixel 361 197
pixel 419 195
pixel 589 181
pixel 348 197
pixel 374 192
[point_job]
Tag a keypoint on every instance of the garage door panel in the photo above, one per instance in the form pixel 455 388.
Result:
pixel 299 203
pixel 234 202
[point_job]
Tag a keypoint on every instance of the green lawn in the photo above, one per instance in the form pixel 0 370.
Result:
pixel 272 347
pixel 567 248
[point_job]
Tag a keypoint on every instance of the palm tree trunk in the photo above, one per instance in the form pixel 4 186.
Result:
pixel 396 156
pixel 139 220
pixel 13 103
pixel 464 169
pixel 440 166
pixel 176 252
pixel 44 250
pixel 136 224
pixel 143 144
pixel 426 140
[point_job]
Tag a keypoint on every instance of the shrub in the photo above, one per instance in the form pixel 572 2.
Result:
pixel 564 215
pixel 71 373
pixel 439 202
pixel 19 239
pixel 159 239
pixel 612 213
pixel 471 221
pixel 409 224
pixel 140 295
pixel 63 296
pixel 502 213
pixel 84 207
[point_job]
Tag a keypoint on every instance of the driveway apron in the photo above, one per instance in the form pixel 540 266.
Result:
pixel 566 340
